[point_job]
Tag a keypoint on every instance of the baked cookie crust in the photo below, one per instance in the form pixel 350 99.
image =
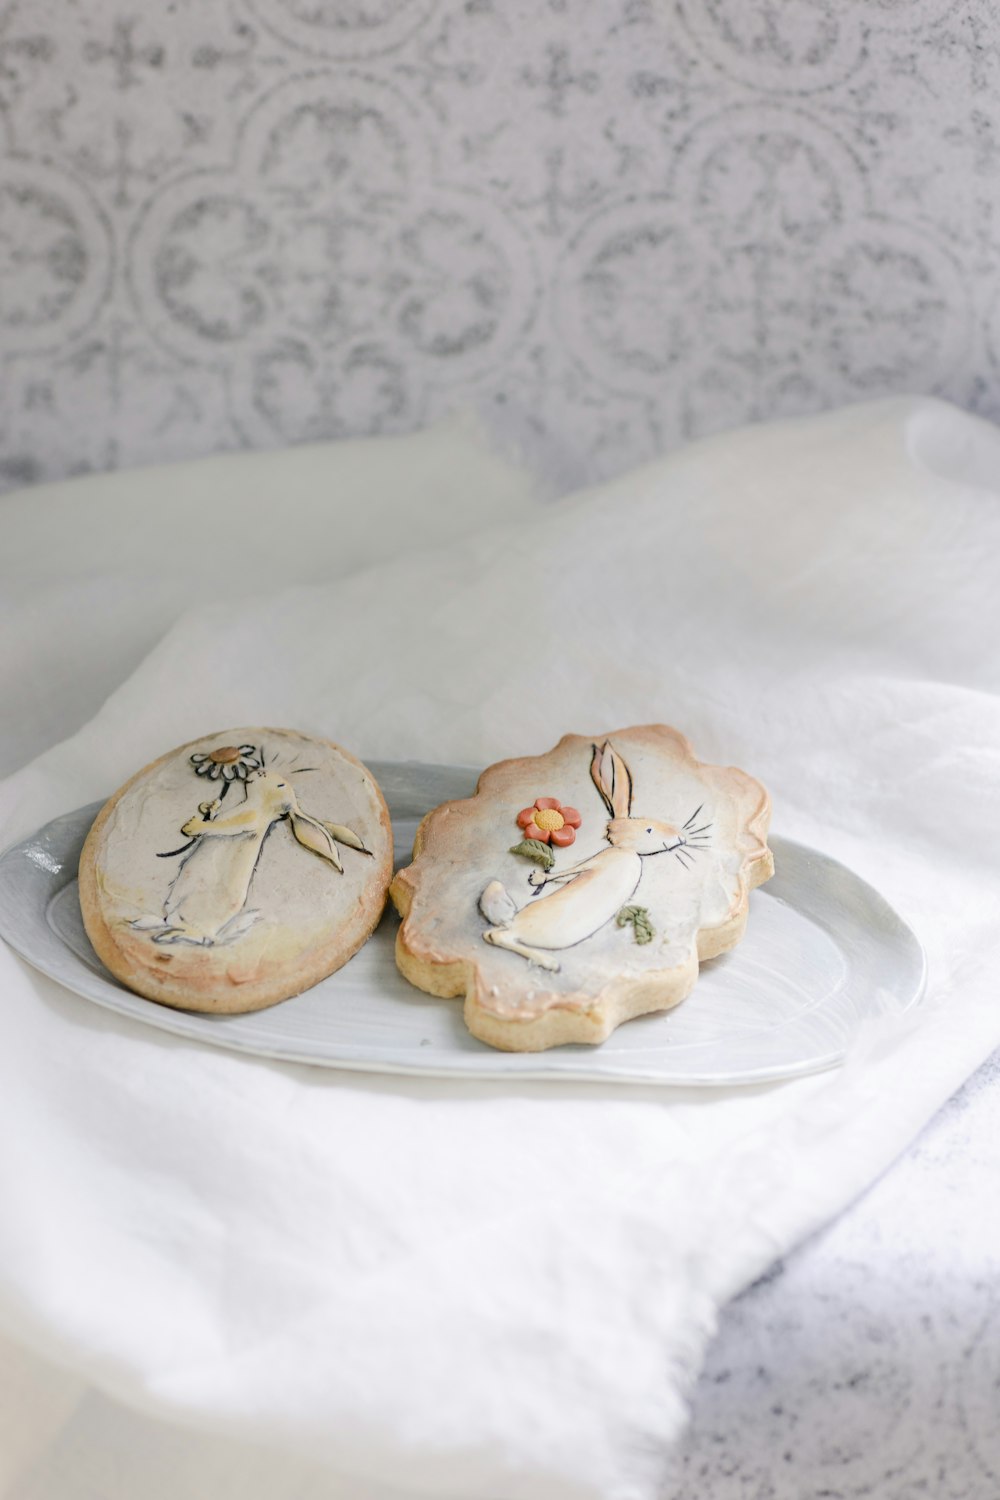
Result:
pixel 214 880
pixel 639 864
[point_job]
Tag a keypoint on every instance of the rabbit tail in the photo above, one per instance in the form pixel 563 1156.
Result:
pixel 496 905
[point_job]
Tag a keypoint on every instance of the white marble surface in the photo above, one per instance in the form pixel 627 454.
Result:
pixel 867 1364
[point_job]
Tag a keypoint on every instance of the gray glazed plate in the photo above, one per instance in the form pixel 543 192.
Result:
pixel 823 954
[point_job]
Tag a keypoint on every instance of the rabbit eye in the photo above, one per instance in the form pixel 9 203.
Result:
pixel 649 830
pixel 281 784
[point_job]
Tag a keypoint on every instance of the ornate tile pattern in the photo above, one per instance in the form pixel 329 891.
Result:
pixel 608 224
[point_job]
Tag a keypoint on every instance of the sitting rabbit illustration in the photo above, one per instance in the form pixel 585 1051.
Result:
pixel 589 894
pixel 206 899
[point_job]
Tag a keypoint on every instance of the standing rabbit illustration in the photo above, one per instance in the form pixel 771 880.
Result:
pixel 589 894
pixel 206 899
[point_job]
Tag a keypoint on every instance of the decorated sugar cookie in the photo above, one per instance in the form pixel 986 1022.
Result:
pixel 237 870
pixel 580 888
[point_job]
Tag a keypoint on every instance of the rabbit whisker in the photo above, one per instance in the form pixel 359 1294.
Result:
pixel 694 815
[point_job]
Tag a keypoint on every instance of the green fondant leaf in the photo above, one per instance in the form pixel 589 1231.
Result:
pixel 638 916
pixel 536 850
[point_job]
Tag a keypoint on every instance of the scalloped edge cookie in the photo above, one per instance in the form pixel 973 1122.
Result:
pixel 535 976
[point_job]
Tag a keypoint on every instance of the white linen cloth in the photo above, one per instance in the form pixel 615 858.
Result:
pixel 93 572
pixel 490 1290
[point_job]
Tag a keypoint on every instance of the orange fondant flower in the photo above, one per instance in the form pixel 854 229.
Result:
pixel 549 822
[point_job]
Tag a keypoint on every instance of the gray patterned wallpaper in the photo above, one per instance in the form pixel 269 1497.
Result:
pixel 608 224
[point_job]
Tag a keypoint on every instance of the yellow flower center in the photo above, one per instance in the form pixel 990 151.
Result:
pixel 548 819
pixel 225 755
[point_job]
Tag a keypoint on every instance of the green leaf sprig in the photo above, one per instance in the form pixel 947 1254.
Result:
pixel 536 850
pixel 638 916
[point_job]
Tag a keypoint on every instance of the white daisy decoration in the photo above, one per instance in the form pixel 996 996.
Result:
pixel 228 762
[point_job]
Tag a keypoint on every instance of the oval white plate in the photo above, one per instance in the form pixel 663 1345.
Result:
pixel 823 953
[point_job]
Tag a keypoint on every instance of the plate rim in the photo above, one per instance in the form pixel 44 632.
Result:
pixel 495 1065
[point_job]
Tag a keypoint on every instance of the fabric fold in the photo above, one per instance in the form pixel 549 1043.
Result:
pixel 505 1291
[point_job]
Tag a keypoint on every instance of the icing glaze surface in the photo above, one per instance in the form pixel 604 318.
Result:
pixel 253 877
pixel 666 849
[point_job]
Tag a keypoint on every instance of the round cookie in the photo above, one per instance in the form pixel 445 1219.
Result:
pixel 237 870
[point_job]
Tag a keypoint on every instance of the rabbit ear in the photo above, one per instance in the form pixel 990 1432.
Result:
pixel 612 779
pixel 312 835
pixel 345 836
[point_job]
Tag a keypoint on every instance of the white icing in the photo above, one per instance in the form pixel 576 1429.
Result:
pixel 576 928
pixel 253 888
